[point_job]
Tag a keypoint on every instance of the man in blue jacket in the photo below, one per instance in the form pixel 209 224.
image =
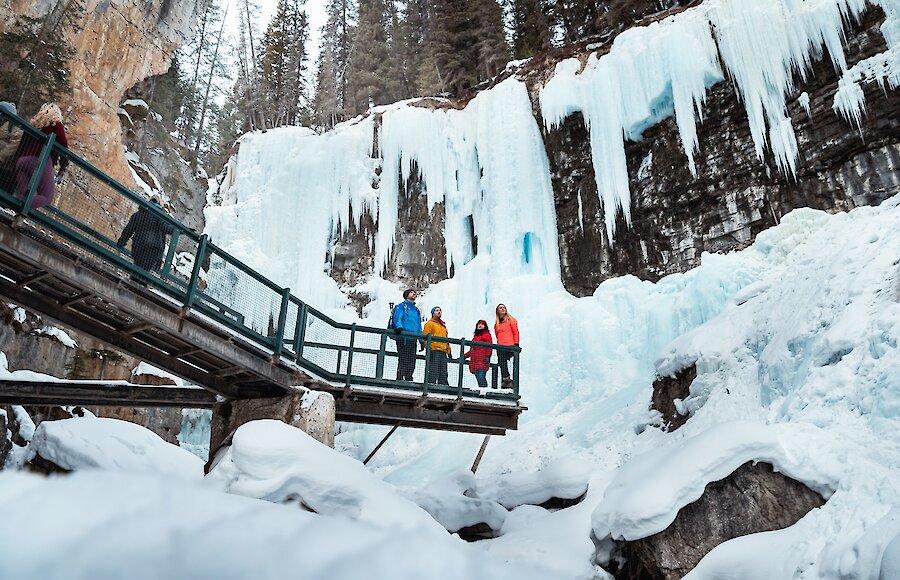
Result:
pixel 407 318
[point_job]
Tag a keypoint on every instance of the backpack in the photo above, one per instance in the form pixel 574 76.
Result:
pixel 390 324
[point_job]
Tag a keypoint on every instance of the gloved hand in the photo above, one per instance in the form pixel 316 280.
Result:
pixel 398 330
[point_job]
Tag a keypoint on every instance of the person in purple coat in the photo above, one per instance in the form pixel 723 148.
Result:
pixel 48 120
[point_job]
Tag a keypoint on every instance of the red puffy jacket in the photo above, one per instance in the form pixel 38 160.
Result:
pixel 479 357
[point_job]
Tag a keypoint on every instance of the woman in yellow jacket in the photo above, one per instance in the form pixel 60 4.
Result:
pixel 440 351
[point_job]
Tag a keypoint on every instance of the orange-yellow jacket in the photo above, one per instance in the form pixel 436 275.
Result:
pixel 437 328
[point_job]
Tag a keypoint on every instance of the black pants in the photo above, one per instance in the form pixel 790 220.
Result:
pixel 148 258
pixel 504 357
pixel 437 369
pixel 406 359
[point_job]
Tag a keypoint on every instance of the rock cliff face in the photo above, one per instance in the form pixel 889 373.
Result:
pixel 159 161
pixel 676 216
pixel 119 43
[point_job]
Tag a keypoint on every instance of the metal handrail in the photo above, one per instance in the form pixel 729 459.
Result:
pixel 289 341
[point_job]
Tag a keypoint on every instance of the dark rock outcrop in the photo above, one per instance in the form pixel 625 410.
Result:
pixel 676 216
pixel 753 499
pixel 666 390
pixel 418 258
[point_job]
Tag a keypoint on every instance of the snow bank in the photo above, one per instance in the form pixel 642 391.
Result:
pixel 448 503
pixel 279 463
pixel 112 445
pixel 560 540
pixel 890 564
pixel 105 526
pixel 811 347
pixel 564 478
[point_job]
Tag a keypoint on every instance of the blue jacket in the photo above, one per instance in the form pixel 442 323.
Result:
pixel 408 317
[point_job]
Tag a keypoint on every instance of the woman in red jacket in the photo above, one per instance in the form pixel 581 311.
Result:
pixel 479 357
pixel 48 120
pixel 506 329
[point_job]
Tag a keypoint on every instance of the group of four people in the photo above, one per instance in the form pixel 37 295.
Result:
pixel 407 317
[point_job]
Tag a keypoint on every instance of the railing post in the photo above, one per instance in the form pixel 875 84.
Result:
pixel 462 366
pixel 379 362
pixel 495 369
pixel 170 256
pixel 300 335
pixel 350 354
pixel 282 321
pixel 516 372
pixel 38 173
pixel 427 363
pixel 195 274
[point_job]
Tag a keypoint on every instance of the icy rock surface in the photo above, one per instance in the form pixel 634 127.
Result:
pixel 107 526
pixel 270 460
pixel 111 445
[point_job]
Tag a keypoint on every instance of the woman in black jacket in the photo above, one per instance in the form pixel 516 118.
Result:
pixel 148 232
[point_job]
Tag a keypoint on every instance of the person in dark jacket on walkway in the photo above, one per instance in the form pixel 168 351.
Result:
pixel 407 318
pixel 480 357
pixel 440 351
pixel 148 233
pixel 48 120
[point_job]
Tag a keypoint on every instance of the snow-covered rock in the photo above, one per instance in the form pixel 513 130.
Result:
pixel 647 492
pixel 271 460
pixel 447 502
pixel 564 478
pixel 111 445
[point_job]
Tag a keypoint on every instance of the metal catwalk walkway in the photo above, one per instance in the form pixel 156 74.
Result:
pixel 196 311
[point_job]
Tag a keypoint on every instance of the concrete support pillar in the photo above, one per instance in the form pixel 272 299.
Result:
pixel 311 411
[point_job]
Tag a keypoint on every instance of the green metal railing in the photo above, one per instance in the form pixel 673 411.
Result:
pixel 88 212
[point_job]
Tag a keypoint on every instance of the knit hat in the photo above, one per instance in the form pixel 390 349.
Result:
pixel 407 292
pixel 433 309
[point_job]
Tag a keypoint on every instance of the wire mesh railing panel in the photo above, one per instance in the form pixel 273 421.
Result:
pixel 326 345
pixel 239 296
pixel 368 359
pixel 10 137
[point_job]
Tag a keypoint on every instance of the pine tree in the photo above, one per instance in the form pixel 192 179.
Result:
pixel 578 19
pixel 420 63
pixel 284 64
pixel 531 31
pixel 333 55
pixel 491 49
pixel 452 40
pixel 35 67
pixel 372 77
pixel 247 92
